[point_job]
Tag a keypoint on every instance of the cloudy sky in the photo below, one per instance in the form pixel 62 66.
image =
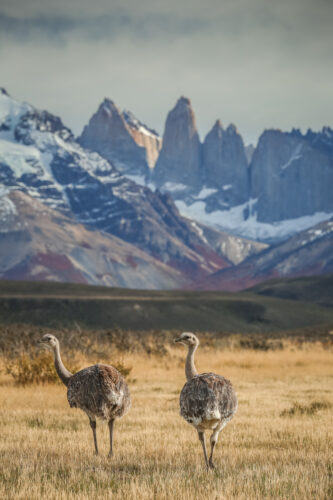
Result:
pixel 256 63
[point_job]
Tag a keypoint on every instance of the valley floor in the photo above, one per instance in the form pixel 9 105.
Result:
pixel 279 444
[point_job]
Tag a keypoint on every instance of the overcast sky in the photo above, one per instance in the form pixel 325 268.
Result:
pixel 256 63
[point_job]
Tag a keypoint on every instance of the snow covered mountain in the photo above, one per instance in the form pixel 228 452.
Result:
pixel 292 174
pixel 307 253
pixel 286 187
pixel 39 156
pixel 229 246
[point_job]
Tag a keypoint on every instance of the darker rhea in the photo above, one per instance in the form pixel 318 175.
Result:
pixel 99 390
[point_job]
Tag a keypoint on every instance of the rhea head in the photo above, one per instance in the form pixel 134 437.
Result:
pixel 188 338
pixel 49 341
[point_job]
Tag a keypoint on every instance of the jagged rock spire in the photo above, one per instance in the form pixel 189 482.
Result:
pixel 108 134
pixel 180 157
pixel 225 163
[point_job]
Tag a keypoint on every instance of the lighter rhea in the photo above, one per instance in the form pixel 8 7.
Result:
pixel 207 401
pixel 99 390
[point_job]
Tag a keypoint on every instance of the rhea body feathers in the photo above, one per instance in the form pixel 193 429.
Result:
pixel 207 401
pixel 99 390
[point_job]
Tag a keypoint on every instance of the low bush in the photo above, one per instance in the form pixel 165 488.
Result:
pixel 27 369
pixel 260 343
pixel 39 369
pixel 123 369
pixel 310 409
pixel 33 369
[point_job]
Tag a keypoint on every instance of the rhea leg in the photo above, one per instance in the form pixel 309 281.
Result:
pixel 213 440
pixel 93 426
pixel 111 422
pixel 203 442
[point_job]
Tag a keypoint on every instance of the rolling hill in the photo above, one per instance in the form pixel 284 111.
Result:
pixel 315 289
pixel 65 305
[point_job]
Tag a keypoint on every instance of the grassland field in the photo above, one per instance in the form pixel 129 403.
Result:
pixel 278 446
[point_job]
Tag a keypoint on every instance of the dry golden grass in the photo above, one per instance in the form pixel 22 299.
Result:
pixel 266 451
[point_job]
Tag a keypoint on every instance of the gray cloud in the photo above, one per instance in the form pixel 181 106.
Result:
pixel 258 63
pixel 108 27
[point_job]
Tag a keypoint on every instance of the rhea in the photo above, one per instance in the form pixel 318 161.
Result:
pixel 99 390
pixel 207 401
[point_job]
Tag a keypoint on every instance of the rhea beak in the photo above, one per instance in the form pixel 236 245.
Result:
pixel 43 344
pixel 177 340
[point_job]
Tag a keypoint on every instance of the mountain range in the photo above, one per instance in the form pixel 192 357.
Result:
pixel 108 207
pixel 266 193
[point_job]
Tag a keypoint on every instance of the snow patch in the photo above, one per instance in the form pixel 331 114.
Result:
pixel 295 156
pixel 10 113
pixel 233 221
pixel 205 192
pixel 107 110
pixel 199 231
pixel 20 159
pixel 172 187
pixel 7 207
pixel 314 234
pixel 133 122
pixel 138 179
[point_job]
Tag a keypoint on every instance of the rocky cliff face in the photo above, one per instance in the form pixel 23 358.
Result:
pixel 144 137
pixel 268 193
pixel 249 150
pixel 292 175
pixel 180 158
pixel 225 165
pixel 122 140
pixel 108 134
pixel 284 189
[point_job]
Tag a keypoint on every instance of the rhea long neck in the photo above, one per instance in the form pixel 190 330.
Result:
pixel 190 369
pixel 63 373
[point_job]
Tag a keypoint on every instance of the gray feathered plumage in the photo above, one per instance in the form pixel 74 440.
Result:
pixel 100 391
pixel 207 401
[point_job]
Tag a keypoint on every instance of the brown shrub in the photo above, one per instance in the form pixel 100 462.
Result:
pixel 310 409
pixel 123 369
pixel 33 369
pixel 39 369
